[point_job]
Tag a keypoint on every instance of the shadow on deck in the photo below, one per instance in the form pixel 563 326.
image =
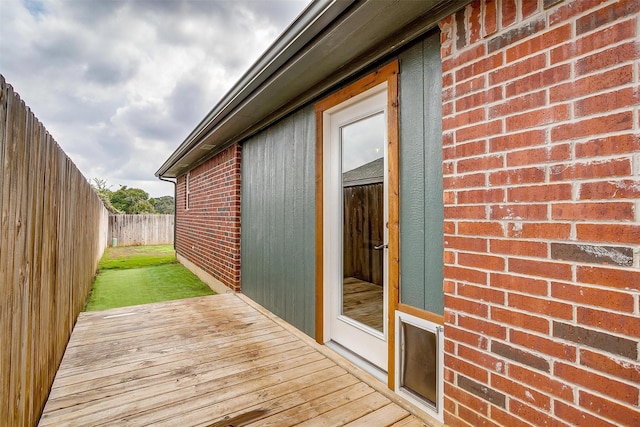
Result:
pixel 210 361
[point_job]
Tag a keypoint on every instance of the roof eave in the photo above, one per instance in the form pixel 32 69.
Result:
pixel 329 42
pixel 304 28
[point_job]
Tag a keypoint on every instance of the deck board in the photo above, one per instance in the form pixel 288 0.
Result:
pixel 212 361
pixel 363 301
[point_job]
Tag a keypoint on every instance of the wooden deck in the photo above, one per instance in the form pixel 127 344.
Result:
pixel 210 361
pixel 363 301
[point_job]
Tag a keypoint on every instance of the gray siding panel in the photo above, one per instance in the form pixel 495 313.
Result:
pixel 278 200
pixel 412 197
pixel 421 205
pixel 278 219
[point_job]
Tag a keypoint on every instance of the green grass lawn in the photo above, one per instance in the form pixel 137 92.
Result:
pixel 141 275
pixel 120 258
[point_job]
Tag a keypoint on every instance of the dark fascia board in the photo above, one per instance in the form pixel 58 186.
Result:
pixel 285 79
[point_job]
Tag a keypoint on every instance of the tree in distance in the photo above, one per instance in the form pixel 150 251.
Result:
pixel 131 200
pixel 164 205
pixel 104 192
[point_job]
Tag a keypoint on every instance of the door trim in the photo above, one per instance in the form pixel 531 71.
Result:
pixel 389 74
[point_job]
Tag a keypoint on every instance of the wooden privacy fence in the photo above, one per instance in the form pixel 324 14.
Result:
pixel 53 232
pixel 134 230
pixel 363 230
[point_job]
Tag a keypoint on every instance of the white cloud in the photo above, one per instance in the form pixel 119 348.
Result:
pixel 121 83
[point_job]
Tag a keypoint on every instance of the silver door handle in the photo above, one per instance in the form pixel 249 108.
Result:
pixel 382 246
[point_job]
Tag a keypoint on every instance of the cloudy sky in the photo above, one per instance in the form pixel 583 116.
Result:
pixel 121 83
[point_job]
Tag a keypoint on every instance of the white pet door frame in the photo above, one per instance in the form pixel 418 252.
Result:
pixel 419 363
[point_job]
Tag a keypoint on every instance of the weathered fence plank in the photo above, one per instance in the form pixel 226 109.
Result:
pixel 134 230
pixel 5 315
pixel 53 231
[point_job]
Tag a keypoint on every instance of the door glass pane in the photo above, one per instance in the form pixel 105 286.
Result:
pixel 362 148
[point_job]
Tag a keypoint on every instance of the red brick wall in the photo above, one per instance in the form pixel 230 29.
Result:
pixel 208 232
pixel 541 148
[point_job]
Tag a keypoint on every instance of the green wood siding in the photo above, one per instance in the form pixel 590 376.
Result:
pixel 278 219
pixel 421 206
pixel 278 200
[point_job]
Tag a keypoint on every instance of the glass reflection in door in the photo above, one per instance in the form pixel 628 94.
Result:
pixel 363 226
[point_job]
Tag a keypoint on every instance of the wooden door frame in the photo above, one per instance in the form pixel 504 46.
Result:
pixel 388 73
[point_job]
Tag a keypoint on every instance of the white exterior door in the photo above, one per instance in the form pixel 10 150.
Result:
pixel 355 217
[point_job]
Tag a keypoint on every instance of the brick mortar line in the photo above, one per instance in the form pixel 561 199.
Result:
pixel 550 163
pixel 534 258
pixel 547 67
pixel 549 219
pixel 572 120
pixel 547 259
pixel 547 297
pixel 543 316
pixel 547 203
pixel 545 356
pixel 568 102
pixel 570 61
pixel 200 248
pixel 610 179
pixel 532 239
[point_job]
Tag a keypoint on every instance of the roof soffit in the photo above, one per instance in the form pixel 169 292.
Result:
pixel 363 33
